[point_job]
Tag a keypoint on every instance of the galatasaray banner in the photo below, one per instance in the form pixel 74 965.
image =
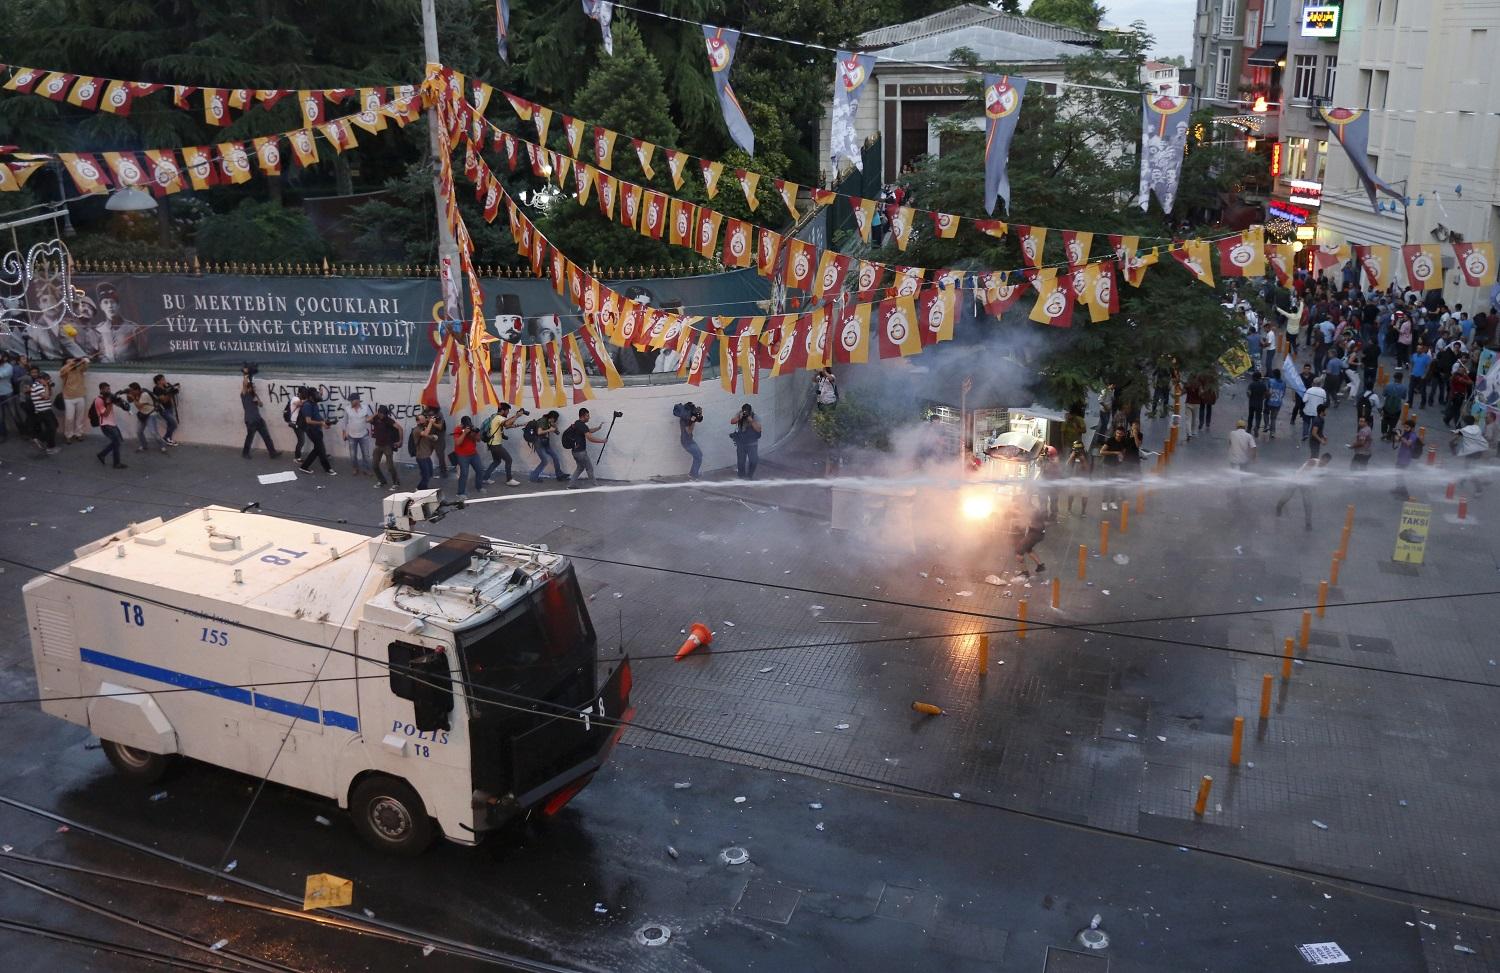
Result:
pixel 851 73
pixel 721 42
pixel 1164 126
pixel 1351 128
pixel 1002 109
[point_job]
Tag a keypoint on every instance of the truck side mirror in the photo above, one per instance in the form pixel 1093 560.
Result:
pixel 421 675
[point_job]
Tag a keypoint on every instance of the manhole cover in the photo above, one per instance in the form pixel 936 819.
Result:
pixel 652 935
pixel 1093 939
pixel 734 855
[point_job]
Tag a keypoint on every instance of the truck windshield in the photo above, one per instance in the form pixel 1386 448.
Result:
pixel 542 648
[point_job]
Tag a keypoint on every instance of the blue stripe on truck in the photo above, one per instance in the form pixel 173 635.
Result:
pixel 210 687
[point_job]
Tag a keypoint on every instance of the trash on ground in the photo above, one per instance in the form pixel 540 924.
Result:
pixel 940 581
pixel 841 726
pixel 682 785
pixel 1323 954
pixel 214 898
pixel 266 479
pixel 817 608
pixel 1104 591
pixel 7 848
pixel 1461 948
pixel 232 865
pixel 920 574
pixel 319 819
pixel 767 668
pixel 619 595
pixel 739 800
pixel 816 805
pixel 963 594
pixel 1239 549
pixel 87 510
pixel 219 945
pixel 1320 825
pixel 994 579
pixel 63 829
pixel 1162 739
pixel 818 826
pixel 159 796
pixel 730 624
pixel 1121 559
pixel 428 950
pixel 1259 600
pixel 599 908
pixel 671 852
pixel 369 913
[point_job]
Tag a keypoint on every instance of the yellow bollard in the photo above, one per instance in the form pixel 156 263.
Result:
pixel 1286 660
pixel 1344 544
pixel 1265 697
pixel 1204 787
pixel 927 708
pixel 1140 500
pixel 1103 538
pixel 1083 560
pixel 1333 571
pixel 1322 597
pixel 984 655
pixel 1056 591
pixel 1349 517
pixel 1236 740
pixel 1306 630
pixel 1125 517
pixel 1405 411
pixel 1021 617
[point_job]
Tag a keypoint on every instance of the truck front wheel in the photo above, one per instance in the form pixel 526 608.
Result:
pixel 390 816
pixel 140 765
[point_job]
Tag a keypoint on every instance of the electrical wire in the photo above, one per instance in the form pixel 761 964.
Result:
pixel 104 946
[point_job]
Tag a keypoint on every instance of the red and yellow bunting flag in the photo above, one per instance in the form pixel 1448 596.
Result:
pixel 798 272
pixel 868 276
pixel 593 340
pixel 269 97
pixel 708 231
pixel 86 92
pixel 864 216
pixel 24 80
pixel 520 105
pixel 445 356
pixel 1033 242
pixel 738 247
pixel 314 111
pixel 644 151
pixel 789 353
pixel 13 175
pixel 1104 290
pixel 84 169
pixel 851 337
pixel 1054 300
pixel 1375 262
pixel 1424 266
pixel 994 228
pixel 117 98
pixel 832 269
pixel 166 174
pixel 729 359
pixel 608 186
pixel 630 204
pixel 536 374
pixel 1194 256
pixel 542 117
pixel 1001 292
pixel 684 222
pixel 749 348
pixel 901 225
pixel 937 309
pixel 945 225
pixel 711 172
pixel 749 182
pixel 1327 256
pixel 202 170
pixel 1243 255
pixel 55 85
pixel 584 175
pixel 1476 261
pixel 180 95
pixel 815 338
pixel 234 162
pixel 216 107
pixel 510 373
pixel 1282 257
pixel 339 135
pixel 491 198
pixel 696 356
pixel 675 163
pixel 767 250
pixel 557 271
pixel 127 171
pixel 788 192
pixel 908 280
pixel 1076 246
pixel 573 132
pixel 654 216
pixel 268 154
pixel 604 148
pixel 304 147
pixel 553 351
pixel 898 327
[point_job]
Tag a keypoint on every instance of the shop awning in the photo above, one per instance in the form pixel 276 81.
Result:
pixel 1268 55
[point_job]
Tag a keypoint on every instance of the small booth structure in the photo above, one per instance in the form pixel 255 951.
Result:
pixel 1008 444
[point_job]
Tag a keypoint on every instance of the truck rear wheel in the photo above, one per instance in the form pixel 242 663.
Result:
pixel 141 765
pixel 390 816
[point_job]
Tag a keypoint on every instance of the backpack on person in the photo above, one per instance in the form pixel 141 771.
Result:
pixel 571 440
pixel 487 426
pixel 679 410
pixel 1393 402
pixel 94 413
pixel 530 432
pixel 411 442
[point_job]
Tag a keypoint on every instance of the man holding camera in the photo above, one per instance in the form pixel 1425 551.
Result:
pixel 424 442
pixel 104 409
pixel 310 420
pixel 689 415
pixel 254 421
pixel 74 375
pixel 493 431
pixel 165 393
pixel 44 420
pixel 746 438
pixel 576 439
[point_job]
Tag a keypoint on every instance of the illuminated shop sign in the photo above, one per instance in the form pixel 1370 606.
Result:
pixel 1295 215
pixel 1305 192
pixel 1321 21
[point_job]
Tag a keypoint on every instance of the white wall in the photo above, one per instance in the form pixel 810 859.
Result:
pixel 644 443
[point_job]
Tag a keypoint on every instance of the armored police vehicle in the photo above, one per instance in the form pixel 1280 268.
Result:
pixel 429 687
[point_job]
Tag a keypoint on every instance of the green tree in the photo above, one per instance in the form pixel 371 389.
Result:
pixel 259 231
pixel 1083 14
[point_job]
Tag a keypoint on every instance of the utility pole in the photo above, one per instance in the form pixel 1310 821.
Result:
pixel 448 269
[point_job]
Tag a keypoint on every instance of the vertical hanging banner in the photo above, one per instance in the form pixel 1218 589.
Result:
pixel 851 72
pixel 502 28
pixel 1350 127
pixel 1424 266
pixel 1002 109
pixel 720 43
pixel 1375 261
pixel 604 12
pixel 1477 263
pixel 1164 128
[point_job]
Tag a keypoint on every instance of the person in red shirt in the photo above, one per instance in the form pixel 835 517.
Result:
pixel 104 410
pixel 466 456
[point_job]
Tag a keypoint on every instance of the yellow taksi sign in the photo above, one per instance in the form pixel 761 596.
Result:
pixel 1411 536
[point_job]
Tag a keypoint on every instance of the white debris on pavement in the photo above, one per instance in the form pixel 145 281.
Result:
pixel 1320 825
pixel 739 800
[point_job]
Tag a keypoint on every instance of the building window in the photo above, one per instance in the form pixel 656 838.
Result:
pixel 1330 71
pixel 1228 17
pixel 1226 67
pixel 1322 164
pixel 1252 29
pixel 1366 79
pixel 1270 8
pixel 1379 88
pixel 1296 158
pixel 1304 76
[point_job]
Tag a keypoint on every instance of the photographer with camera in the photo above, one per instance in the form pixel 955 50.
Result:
pixel 539 433
pixel 104 413
pixel 310 420
pixel 689 415
pixel 254 421
pixel 165 393
pixel 746 438
pixel 424 442
pixel 493 432
pixel 576 439
pixel 74 375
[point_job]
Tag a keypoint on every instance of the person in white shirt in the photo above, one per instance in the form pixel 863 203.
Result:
pixel 356 431
pixel 1315 396
pixel 1241 446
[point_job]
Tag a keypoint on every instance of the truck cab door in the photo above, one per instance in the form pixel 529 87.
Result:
pixel 409 701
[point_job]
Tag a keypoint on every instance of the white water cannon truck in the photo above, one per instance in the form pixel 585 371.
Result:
pixel 428 686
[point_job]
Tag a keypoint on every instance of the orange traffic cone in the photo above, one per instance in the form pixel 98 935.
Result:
pixel 698 636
